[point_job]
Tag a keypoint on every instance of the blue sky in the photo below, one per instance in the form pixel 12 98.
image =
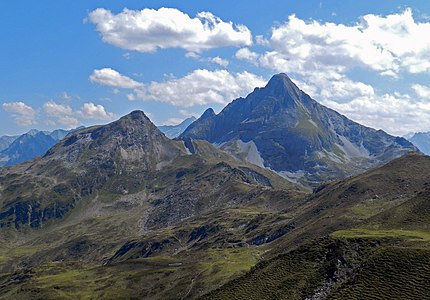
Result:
pixel 70 63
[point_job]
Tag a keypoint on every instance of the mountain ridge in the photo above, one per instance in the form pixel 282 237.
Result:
pixel 20 148
pixel 295 135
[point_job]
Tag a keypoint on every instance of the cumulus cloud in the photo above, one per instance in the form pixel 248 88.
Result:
pixel 22 114
pixel 394 113
pixel 219 61
pixel 148 30
pixel 110 77
pixel 201 87
pixel 61 114
pixel 64 115
pixel 422 91
pixel 92 111
pixel 246 54
pixel 386 44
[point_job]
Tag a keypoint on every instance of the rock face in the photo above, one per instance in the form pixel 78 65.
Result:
pixel 172 131
pixel 284 129
pixel 132 141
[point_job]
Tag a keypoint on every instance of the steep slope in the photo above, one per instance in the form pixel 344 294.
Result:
pixel 378 244
pixel 125 157
pixel 422 141
pixel 110 209
pixel 85 161
pixel 280 127
pixel 29 145
pixel 121 211
pixel 172 131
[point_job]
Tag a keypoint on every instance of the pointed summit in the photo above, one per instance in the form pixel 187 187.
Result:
pixel 137 114
pixel 207 114
pixel 281 85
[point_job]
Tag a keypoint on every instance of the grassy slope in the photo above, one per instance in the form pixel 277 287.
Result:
pixel 362 207
pixel 66 258
pixel 387 207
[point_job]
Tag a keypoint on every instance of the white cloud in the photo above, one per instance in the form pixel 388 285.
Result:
pixel 53 109
pixel 422 91
pixel 187 113
pixel 246 54
pixel 22 114
pixel 131 97
pixel 92 111
pixel 110 77
pixel 148 30
pixel 219 61
pixel 192 55
pixel 335 87
pixel 201 87
pixel 394 113
pixel 173 121
pixel 66 96
pixel 64 115
pixel 61 114
pixel 386 44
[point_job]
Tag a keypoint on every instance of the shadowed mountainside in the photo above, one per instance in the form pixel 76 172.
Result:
pixel 282 128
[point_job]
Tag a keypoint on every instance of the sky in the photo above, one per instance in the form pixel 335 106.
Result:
pixel 65 63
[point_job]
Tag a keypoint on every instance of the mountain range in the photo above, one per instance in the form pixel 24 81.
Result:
pixel 281 128
pixel 20 148
pixel 120 211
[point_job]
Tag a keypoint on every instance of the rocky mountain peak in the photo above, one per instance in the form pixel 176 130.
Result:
pixel 131 139
pixel 207 114
pixel 281 88
pixel 284 129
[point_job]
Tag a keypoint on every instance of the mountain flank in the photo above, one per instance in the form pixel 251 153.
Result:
pixel 283 129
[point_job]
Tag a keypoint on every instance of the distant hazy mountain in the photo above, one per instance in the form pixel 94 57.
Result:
pixel 27 146
pixel 421 140
pixel 6 140
pixel 172 131
pixel 280 127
